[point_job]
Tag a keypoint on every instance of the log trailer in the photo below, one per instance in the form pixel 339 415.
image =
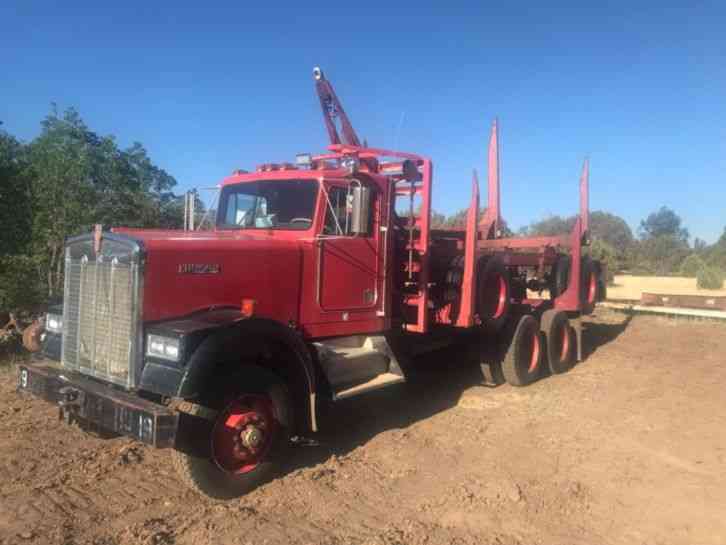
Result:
pixel 320 281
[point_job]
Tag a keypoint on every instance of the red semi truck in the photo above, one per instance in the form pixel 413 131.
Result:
pixel 320 280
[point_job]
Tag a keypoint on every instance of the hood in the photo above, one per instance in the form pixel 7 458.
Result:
pixel 186 272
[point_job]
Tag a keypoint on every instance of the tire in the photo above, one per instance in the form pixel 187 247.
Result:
pixel 493 293
pixel 588 286
pixel 486 353
pixel 560 342
pixel 560 276
pixel 207 457
pixel 522 363
pixel 492 373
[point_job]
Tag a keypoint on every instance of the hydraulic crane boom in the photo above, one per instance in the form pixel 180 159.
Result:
pixel 333 111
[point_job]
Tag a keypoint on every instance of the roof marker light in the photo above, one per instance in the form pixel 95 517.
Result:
pixel 304 160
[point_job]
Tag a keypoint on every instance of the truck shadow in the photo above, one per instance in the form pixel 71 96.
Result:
pixel 597 334
pixel 436 383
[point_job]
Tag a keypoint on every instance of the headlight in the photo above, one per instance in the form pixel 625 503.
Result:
pixel 54 323
pixel 162 347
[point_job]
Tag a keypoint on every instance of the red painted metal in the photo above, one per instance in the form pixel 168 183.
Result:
pixel 570 300
pixel 232 449
pixel 492 219
pixel 249 264
pixel 585 197
pixel 468 285
pixel 526 243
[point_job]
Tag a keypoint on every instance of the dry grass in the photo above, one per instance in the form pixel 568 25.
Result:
pixel 631 287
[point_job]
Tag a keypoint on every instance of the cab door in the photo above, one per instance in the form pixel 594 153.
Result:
pixel 349 253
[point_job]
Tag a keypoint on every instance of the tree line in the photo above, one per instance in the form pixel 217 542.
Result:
pixel 60 184
pixel 661 246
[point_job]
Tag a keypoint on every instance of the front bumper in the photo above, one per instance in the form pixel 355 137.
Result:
pixel 99 404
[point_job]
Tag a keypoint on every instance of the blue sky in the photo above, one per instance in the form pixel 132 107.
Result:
pixel 640 87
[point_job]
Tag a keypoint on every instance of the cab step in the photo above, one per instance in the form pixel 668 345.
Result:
pixel 382 380
pixel 358 364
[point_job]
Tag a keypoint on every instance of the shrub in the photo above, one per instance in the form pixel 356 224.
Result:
pixel 692 265
pixel 20 285
pixel 710 278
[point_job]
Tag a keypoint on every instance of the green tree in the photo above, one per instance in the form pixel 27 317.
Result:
pixel 548 227
pixel 611 229
pixel 607 254
pixel 60 184
pixel 710 278
pixel 699 245
pixel 663 243
pixel 457 220
pixel 692 265
pixel 606 228
pixel 663 222
pixel 716 253
pixel 15 209
pixel 659 255
pixel 80 178
pixel 438 221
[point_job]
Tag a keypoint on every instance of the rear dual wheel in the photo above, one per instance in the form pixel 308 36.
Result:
pixel 560 341
pixel 522 363
pixel 493 293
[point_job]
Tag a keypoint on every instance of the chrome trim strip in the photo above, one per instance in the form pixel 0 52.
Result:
pixel 66 289
pixel 81 281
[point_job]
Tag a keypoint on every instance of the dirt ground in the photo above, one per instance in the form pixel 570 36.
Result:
pixel 629 447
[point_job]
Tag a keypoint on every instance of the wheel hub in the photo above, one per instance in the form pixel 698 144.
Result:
pixel 251 437
pixel 242 435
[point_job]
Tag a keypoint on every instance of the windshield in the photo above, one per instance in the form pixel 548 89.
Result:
pixel 275 204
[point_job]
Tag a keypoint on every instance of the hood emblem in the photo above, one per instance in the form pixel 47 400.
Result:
pixel 199 268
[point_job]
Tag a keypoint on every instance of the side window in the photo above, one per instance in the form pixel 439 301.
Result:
pixel 336 216
pixel 232 211
pixel 240 209
pixel 349 210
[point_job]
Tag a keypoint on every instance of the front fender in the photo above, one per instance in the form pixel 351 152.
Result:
pixel 241 342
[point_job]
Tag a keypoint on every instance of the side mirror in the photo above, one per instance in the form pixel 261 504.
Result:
pixel 360 210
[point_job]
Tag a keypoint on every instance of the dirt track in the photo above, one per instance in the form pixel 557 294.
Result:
pixel 629 447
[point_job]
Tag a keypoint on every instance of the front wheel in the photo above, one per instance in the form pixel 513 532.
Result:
pixel 241 443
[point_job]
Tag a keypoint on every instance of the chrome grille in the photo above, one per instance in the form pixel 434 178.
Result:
pixel 100 321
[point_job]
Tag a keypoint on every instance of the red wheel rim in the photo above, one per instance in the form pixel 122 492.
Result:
pixel 565 352
pixel 534 360
pixel 496 296
pixel 592 288
pixel 243 433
